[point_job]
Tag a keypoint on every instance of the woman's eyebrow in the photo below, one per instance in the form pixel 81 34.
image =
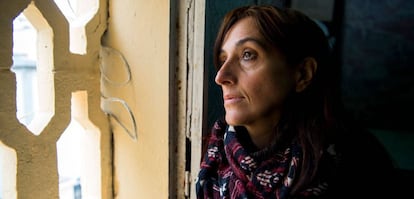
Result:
pixel 249 39
pixel 252 39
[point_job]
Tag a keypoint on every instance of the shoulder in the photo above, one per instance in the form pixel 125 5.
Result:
pixel 359 146
pixel 365 166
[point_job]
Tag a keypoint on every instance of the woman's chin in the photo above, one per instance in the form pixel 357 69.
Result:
pixel 233 120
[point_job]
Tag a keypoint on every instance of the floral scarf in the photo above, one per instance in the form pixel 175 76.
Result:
pixel 230 171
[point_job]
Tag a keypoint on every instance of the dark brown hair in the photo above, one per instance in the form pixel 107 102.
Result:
pixel 309 115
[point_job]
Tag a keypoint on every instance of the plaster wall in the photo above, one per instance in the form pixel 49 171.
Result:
pixel 139 30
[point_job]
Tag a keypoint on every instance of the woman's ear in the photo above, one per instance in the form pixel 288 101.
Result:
pixel 305 73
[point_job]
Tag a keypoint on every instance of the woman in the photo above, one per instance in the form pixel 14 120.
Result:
pixel 284 135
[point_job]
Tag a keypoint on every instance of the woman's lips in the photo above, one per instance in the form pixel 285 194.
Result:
pixel 231 99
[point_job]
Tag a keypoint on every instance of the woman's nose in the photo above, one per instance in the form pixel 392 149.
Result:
pixel 226 74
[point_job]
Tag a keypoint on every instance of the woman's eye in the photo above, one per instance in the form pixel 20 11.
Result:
pixel 247 56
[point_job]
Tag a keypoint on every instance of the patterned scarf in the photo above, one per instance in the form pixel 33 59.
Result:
pixel 230 171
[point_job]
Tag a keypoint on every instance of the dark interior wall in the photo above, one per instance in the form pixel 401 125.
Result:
pixel 377 76
pixel 377 63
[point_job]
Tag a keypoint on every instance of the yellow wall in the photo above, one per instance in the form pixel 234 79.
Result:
pixel 139 29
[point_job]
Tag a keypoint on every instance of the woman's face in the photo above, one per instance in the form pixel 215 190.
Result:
pixel 254 77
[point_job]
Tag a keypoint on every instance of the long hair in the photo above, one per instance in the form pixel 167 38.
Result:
pixel 311 115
